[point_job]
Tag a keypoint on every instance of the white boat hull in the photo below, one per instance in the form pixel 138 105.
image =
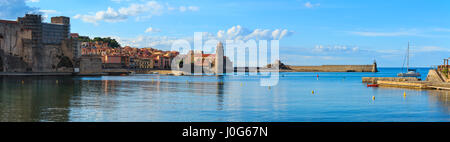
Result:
pixel 409 75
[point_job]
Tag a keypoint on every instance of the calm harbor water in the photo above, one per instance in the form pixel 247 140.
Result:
pixel 338 97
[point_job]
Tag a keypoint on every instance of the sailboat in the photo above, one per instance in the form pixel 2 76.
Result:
pixel 410 72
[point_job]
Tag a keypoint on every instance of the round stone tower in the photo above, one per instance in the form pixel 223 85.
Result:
pixel 218 66
pixel 374 67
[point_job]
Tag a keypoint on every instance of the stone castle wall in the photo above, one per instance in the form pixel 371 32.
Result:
pixel 27 45
pixel 15 48
pixel 90 64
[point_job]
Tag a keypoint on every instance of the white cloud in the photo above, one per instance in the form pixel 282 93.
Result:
pixel 110 15
pixel 336 48
pixel 119 1
pixel 140 11
pixel 11 9
pixel 33 0
pixel 152 30
pixel 233 33
pixel 186 8
pixel 311 5
pixel 193 8
pixel 153 7
pixel 240 33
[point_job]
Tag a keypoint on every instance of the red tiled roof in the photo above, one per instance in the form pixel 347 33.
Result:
pixel 207 55
pixel 75 35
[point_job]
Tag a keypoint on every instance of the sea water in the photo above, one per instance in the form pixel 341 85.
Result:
pixel 298 97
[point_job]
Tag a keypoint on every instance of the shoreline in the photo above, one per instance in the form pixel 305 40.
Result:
pixel 176 73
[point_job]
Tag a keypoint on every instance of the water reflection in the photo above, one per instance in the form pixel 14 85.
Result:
pixel 36 98
pixel 220 92
pixel 442 98
pixel 144 98
pixel 211 98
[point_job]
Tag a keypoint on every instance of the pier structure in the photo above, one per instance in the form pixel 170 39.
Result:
pixel 406 82
pixel 443 71
pixel 334 68
pixel 437 78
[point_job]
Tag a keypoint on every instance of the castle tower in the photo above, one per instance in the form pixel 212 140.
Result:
pixel 34 23
pixel 63 21
pixel 218 68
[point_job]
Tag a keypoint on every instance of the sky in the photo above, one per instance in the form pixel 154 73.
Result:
pixel 311 32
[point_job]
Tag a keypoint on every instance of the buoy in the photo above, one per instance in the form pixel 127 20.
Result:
pixel 242 84
pixel 23 82
pixel 373 97
pixel 404 94
pixel 313 92
pixel 56 81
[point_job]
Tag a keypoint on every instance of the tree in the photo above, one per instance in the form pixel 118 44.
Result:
pixel 111 42
pixel 84 39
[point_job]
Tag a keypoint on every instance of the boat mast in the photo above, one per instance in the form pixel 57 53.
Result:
pixel 407 60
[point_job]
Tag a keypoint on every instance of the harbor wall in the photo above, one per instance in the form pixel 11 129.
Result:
pixel 435 80
pixel 435 76
pixel 90 65
pixel 397 79
pixel 335 68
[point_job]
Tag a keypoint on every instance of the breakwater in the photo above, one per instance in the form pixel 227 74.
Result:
pixel 334 68
pixel 322 68
pixel 434 81
pixel 397 79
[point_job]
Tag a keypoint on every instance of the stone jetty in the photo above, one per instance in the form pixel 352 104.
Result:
pixel 435 80
pixel 394 79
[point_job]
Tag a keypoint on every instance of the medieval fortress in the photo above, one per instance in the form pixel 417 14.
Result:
pixel 30 45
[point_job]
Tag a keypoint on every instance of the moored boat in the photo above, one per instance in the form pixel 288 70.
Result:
pixel 410 72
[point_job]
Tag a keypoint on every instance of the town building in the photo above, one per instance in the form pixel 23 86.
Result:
pixel 144 64
pixel 129 57
pixel 115 62
pixel 199 62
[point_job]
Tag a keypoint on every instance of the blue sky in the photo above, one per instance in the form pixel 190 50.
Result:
pixel 316 32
